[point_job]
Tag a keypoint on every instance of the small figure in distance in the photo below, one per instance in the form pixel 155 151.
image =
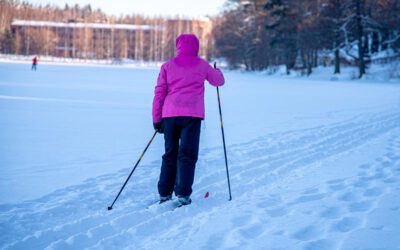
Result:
pixel 34 63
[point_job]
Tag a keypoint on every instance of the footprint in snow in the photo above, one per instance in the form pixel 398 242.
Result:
pixel 241 220
pixel 346 224
pixel 331 213
pixel 335 181
pixel 390 180
pixel 363 182
pixel 365 166
pixel 348 196
pixel 394 156
pixel 252 231
pixel 307 233
pixel 277 212
pixel 278 233
pixel 311 191
pixel 371 192
pixel 336 187
pixel 215 241
pixel 360 206
pixel 387 163
pixel 377 228
pixel 320 244
pixel 270 201
pixel 309 198
pixel 363 174
pixel 379 175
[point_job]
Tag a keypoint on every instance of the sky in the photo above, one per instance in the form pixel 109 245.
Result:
pixel 186 8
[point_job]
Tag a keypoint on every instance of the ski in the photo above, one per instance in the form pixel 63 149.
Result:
pixel 165 205
pixel 178 206
pixel 158 204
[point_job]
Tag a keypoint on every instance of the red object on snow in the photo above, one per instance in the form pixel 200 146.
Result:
pixel 206 195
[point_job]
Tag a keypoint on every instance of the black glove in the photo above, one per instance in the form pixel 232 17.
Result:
pixel 158 126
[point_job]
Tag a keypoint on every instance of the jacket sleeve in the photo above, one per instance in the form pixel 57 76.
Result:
pixel 160 93
pixel 215 76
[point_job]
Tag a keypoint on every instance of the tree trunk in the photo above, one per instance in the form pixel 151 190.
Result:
pixel 336 42
pixel 315 60
pixel 361 63
pixel 337 61
pixel 375 42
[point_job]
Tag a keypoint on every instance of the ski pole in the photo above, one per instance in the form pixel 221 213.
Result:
pixel 137 163
pixel 223 140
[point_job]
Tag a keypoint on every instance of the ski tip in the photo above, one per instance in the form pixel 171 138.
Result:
pixel 206 195
pixel 109 208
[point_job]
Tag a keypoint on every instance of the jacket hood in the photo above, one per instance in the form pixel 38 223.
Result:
pixel 187 45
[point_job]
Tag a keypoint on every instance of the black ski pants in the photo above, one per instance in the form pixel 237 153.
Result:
pixel 182 136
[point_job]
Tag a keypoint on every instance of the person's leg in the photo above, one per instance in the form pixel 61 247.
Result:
pixel 187 155
pixel 166 182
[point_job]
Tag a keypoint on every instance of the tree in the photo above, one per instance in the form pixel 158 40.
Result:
pixel 282 24
pixel 359 6
pixel 228 35
pixel 7 42
pixel 332 11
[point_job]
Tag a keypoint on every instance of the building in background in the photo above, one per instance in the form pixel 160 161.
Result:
pixel 145 42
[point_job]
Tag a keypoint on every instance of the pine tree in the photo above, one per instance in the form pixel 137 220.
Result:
pixel 282 22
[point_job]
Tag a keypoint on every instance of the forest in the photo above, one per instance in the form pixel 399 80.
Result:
pixel 257 34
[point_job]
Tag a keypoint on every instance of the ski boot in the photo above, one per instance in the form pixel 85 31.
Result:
pixel 165 198
pixel 184 200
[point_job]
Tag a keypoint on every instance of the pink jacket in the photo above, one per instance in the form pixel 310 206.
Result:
pixel 180 84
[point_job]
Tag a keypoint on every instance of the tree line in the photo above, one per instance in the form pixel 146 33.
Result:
pixel 155 44
pixel 257 34
pixel 249 34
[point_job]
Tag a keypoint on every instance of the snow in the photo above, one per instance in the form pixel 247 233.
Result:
pixel 314 163
pixel 82 25
pixel 11 58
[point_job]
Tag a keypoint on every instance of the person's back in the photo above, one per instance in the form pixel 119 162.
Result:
pixel 180 84
pixel 178 108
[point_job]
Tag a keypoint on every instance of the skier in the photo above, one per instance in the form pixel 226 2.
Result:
pixel 34 63
pixel 178 108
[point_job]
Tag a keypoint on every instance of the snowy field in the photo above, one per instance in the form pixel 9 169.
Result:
pixel 314 164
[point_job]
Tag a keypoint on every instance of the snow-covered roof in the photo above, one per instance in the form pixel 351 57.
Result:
pixel 83 25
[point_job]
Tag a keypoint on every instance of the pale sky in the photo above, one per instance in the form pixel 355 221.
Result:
pixel 187 8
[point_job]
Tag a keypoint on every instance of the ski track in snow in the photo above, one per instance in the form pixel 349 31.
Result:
pixel 338 212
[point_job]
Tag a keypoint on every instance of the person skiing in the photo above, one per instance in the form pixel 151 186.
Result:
pixel 34 63
pixel 178 109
